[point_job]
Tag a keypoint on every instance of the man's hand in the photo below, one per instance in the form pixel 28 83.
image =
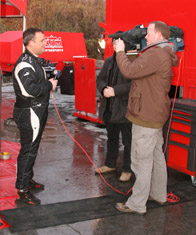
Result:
pixel 54 83
pixel 120 46
pixel 108 92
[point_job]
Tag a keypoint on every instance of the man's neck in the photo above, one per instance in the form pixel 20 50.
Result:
pixel 29 49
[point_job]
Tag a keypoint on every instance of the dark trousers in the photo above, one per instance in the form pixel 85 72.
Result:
pixel 28 120
pixel 113 133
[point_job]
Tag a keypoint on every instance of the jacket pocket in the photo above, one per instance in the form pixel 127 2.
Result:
pixel 135 104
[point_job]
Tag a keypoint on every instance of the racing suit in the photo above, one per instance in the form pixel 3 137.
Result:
pixel 32 92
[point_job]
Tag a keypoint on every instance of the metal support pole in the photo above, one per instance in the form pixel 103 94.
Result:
pixel 24 28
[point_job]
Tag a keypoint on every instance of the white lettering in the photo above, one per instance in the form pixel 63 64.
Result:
pixel 53 42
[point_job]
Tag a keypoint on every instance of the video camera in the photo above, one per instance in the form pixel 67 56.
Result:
pixel 134 39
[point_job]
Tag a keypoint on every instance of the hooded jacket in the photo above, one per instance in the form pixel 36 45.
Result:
pixel 151 74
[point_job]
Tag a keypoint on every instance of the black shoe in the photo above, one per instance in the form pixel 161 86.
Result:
pixel 35 185
pixel 27 197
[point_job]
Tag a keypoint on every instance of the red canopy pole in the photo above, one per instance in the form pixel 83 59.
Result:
pixel 24 23
pixel 0 105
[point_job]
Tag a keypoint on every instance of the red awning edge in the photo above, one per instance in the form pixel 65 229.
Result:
pixel 13 8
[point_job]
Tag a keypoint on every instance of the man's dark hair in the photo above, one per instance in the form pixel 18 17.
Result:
pixel 29 34
pixel 162 27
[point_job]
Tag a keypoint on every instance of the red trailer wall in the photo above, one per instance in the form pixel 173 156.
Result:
pixel 127 14
pixel 60 46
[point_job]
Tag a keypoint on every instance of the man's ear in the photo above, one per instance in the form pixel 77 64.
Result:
pixel 31 43
pixel 159 35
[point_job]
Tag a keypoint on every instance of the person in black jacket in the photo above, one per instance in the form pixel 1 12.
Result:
pixel 114 89
pixel 32 90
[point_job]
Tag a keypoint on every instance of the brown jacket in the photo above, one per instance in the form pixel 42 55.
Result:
pixel 151 74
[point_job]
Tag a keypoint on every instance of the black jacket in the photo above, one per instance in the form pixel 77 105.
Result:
pixel 121 89
pixel 29 81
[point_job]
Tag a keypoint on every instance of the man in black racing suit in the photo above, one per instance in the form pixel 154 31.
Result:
pixel 32 91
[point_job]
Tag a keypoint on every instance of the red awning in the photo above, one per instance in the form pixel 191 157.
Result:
pixel 10 8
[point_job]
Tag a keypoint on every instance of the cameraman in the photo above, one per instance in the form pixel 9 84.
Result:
pixel 115 89
pixel 148 110
pixel 32 91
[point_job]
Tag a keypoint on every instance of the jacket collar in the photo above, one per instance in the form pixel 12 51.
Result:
pixel 165 41
pixel 29 53
pixel 40 60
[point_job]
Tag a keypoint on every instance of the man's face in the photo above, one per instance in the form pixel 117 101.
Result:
pixel 38 44
pixel 152 36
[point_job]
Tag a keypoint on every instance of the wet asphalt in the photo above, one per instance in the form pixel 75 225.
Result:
pixel 68 175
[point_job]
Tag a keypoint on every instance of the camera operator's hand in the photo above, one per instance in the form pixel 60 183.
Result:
pixel 54 83
pixel 120 46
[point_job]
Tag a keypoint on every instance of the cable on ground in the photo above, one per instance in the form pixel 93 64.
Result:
pixel 170 196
